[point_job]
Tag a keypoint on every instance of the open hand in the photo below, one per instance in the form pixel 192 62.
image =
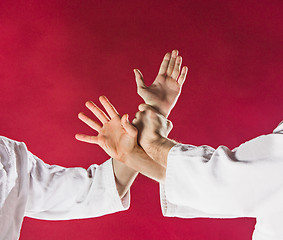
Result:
pixel 116 136
pixel 163 93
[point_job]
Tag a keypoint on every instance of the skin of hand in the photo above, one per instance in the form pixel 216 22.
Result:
pixel 115 136
pixel 163 93
pixel 124 175
pixel 118 138
pixel 153 131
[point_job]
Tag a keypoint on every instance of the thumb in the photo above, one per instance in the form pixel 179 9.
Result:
pixel 144 107
pixel 139 78
pixel 130 129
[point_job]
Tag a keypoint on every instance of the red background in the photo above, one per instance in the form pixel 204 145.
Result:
pixel 55 55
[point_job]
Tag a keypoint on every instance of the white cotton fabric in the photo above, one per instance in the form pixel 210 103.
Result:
pixel 29 187
pixel 220 183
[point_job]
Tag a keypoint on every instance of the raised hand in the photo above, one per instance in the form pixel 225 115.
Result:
pixel 116 136
pixel 163 93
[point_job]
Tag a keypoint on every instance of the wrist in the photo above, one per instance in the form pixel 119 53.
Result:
pixel 142 163
pixel 124 177
pixel 159 149
pixel 163 108
pixel 128 158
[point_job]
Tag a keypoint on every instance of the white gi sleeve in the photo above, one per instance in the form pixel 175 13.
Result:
pixel 220 183
pixel 58 193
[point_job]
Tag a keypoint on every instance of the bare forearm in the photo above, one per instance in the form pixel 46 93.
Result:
pixel 124 177
pixel 142 163
pixel 159 150
pixel 139 161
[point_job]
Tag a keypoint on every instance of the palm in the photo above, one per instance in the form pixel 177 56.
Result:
pixel 114 139
pixel 165 90
pixel 117 137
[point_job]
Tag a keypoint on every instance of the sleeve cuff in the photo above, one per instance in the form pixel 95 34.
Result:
pixel 168 190
pixel 168 209
pixel 109 178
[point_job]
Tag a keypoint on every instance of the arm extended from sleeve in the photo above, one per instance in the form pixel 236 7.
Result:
pixel 58 193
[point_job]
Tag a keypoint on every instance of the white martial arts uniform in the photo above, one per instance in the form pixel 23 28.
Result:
pixel 244 182
pixel 29 187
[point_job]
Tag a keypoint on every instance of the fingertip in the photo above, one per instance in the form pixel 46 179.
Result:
pixel 144 107
pixel 141 107
pixel 89 104
pixel 183 76
pixel 139 79
pixel 125 117
pixel 167 56
pixel 175 53
pixel 80 115
pixel 103 100
pixel 136 72
pixel 184 70
pixel 139 72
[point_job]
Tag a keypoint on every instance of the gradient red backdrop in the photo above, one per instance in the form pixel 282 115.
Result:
pixel 55 55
